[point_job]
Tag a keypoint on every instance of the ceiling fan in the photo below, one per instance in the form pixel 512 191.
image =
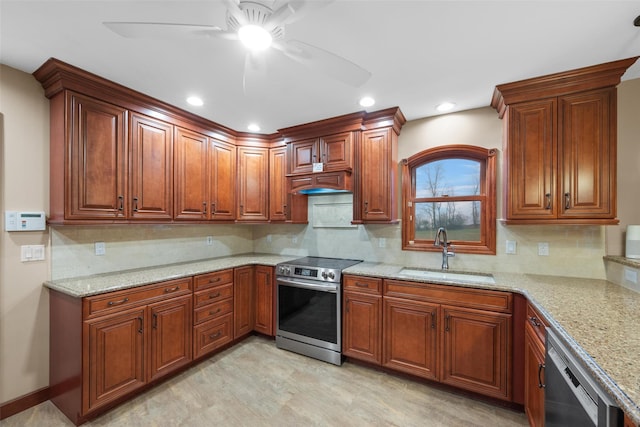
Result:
pixel 259 26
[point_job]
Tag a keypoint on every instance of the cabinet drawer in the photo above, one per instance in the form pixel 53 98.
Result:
pixel 215 294
pixel 217 278
pixel 115 301
pixel 363 284
pixel 212 334
pixel 537 322
pixel 460 296
pixel 212 311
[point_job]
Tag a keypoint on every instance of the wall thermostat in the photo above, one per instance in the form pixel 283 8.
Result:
pixel 24 221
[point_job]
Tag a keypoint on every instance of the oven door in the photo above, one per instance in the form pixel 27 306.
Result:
pixel 309 312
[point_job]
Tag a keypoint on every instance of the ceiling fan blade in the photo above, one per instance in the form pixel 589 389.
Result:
pixel 292 11
pixel 326 62
pixel 160 30
pixel 254 70
pixel 233 9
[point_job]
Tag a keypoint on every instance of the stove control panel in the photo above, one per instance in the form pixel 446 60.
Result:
pixel 311 273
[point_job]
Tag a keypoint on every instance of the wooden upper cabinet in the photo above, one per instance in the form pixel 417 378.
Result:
pixel 191 179
pixel 278 196
pixel 151 183
pixel 378 164
pixel 560 145
pixel 222 184
pixel 97 160
pixel 335 152
pixel 253 184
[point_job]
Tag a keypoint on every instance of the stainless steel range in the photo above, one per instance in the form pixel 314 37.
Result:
pixel 309 307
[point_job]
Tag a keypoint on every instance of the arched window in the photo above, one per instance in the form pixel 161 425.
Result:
pixel 452 186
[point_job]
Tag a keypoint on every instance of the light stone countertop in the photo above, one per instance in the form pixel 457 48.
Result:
pixel 598 320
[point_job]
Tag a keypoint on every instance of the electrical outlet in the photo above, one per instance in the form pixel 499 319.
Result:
pixel 100 248
pixel 382 242
pixel 543 248
pixel 294 239
pixel 510 247
pixel 209 241
pixel 268 238
pixel 630 275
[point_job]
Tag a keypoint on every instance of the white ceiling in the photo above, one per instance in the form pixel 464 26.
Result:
pixel 420 53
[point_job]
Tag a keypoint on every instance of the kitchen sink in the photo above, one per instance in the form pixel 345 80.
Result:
pixel 448 276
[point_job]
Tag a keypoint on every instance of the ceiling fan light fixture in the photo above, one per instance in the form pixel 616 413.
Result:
pixel 254 37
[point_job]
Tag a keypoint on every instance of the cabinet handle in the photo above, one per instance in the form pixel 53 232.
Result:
pixel 548 196
pixel 175 288
pixel 361 285
pixel 135 204
pixel 122 301
pixel 141 320
pixel 155 321
pixel 284 210
pixel 534 321
pixel 366 207
pixel 216 335
pixel 346 303
pixel 217 279
pixel 204 207
pixel 433 320
pixel 216 295
pixel 567 200
pixel 215 312
pixel 541 366
pixel 446 322
pixel 241 210
pixel 120 203
pixel 213 208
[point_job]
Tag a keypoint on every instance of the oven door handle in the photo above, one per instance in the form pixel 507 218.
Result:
pixel 305 285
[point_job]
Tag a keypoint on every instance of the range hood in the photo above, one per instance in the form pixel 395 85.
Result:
pixel 321 183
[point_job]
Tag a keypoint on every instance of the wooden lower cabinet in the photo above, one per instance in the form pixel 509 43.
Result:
pixel 362 333
pixel 534 364
pixel 243 297
pixel 411 337
pixel 265 289
pixel 475 351
pixel 213 334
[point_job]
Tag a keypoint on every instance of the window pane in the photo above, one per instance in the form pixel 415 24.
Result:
pixel 451 177
pixel 461 219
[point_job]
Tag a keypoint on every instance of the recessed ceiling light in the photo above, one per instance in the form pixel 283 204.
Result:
pixel 194 100
pixel 445 106
pixel 253 127
pixel 367 101
pixel 254 37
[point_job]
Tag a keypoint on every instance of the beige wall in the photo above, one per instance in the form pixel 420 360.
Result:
pixel 576 251
pixel 24 303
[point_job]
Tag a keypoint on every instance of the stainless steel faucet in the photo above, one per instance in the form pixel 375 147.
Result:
pixel 441 240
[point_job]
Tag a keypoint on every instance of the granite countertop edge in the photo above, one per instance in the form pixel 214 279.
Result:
pixel 524 284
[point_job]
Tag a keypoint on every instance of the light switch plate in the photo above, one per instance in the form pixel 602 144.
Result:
pixel 510 247
pixel 543 249
pixel 30 253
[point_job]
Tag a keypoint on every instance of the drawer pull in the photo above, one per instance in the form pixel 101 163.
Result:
pixel 447 320
pixel 141 320
pixel 362 285
pixel 541 366
pixel 216 335
pixel 433 320
pixel 155 320
pixel 534 321
pixel 175 288
pixel 216 295
pixel 217 279
pixel 215 312
pixel 122 301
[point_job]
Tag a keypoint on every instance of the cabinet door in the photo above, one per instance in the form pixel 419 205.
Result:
pixel 533 377
pixel 264 299
pixel 475 351
pixel 362 330
pixel 302 155
pixel 378 170
pixel 253 176
pixel 531 161
pixel 170 336
pixel 336 151
pixel 98 160
pixel 243 308
pixel 410 337
pixel 191 192
pixel 278 184
pixel 115 357
pixel 222 181
pixel 151 194
pixel 587 156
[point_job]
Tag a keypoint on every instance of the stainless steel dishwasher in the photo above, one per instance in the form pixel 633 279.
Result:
pixel 572 397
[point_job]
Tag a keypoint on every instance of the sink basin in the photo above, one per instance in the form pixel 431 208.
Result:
pixel 447 276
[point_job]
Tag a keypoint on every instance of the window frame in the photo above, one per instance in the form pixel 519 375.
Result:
pixel 487 158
